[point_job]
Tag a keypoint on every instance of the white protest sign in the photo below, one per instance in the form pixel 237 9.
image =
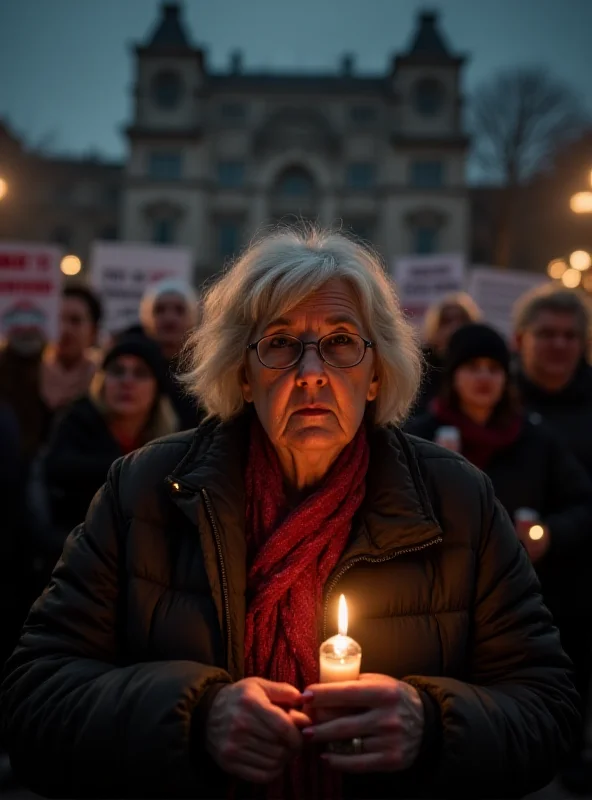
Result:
pixel 121 271
pixel 30 287
pixel 495 291
pixel 424 280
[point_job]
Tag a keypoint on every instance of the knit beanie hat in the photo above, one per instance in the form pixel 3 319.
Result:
pixel 144 348
pixel 476 341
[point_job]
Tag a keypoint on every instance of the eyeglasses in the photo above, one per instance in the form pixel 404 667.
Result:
pixel 282 351
pixel 120 372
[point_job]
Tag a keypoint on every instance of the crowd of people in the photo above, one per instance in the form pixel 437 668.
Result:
pixel 520 411
pixel 68 410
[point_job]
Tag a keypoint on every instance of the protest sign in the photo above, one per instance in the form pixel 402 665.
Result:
pixel 121 271
pixel 30 287
pixel 495 291
pixel 424 280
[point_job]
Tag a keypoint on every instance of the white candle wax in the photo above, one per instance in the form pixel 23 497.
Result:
pixel 340 656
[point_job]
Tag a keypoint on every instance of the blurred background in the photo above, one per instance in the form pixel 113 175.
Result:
pixel 452 127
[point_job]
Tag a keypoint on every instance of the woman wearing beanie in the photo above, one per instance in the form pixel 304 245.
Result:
pixel 125 408
pixel 168 312
pixel 528 466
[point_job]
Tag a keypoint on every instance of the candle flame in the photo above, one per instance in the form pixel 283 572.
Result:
pixel 342 617
pixel 536 532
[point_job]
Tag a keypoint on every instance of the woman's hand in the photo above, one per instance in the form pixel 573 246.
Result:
pixel 386 714
pixel 247 733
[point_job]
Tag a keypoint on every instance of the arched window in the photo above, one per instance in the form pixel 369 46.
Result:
pixel 167 88
pixel 429 96
pixel 295 182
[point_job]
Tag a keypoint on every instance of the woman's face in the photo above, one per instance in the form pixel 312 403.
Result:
pixel 171 320
pixel 313 406
pixel 480 383
pixel 130 388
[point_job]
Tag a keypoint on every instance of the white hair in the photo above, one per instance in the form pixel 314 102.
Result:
pixel 272 277
pixel 168 286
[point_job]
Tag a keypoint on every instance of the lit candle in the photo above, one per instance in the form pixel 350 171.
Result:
pixel 536 532
pixel 341 656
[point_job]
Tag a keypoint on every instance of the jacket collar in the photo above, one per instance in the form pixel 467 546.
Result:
pixel 396 512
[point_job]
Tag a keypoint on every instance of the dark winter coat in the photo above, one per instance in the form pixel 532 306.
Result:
pixel 538 471
pixel 14 538
pixel 186 407
pixel 568 412
pixel 81 451
pixel 108 690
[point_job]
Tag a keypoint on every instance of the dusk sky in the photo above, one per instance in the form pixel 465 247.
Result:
pixel 67 66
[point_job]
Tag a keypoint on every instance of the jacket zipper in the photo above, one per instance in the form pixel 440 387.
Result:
pixel 223 576
pixel 376 560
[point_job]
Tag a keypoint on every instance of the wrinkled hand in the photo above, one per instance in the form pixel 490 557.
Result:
pixel 385 713
pixel 249 735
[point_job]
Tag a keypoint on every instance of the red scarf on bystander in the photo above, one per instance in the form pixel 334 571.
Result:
pixel 479 443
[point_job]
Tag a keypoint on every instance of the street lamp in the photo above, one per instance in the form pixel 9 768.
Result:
pixel 3 188
pixel 580 259
pixel 556 268
pixel 571 278
pixel 70 265
pixel 581 202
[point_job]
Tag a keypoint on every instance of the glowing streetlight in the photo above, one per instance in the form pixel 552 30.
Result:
pixel 3 188
pixel 71 265
pixel 571 278
pixel 581 203
pixel 556 268
pixel 580 259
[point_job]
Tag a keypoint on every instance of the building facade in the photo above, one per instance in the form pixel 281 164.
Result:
pixel 216 157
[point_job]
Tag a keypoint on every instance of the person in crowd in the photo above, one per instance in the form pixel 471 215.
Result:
pixel 530 468
pixel 20 369
pixel 182 626
pixel 441 320
pixel 168 312
pixel 13 565
pixel 68 368
pixel 551 332
pixel 125 408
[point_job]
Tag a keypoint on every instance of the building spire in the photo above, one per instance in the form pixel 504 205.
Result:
pixel 170 32
pixel 428 41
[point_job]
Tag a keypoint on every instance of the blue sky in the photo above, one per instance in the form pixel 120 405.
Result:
pixel 67 65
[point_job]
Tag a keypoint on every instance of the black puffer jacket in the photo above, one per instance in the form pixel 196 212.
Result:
pixel 568 412
pixel 144 617
pixel 80 453
pixel 539 471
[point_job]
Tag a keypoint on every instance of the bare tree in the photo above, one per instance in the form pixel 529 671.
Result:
pixel 518 119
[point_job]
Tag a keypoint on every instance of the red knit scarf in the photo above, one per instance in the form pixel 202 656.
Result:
pixel 292 554
pixel 479 443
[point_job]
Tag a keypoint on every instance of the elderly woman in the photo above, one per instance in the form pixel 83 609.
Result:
pixel 175 651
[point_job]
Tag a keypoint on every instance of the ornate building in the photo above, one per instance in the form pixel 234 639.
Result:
pixel 215 157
